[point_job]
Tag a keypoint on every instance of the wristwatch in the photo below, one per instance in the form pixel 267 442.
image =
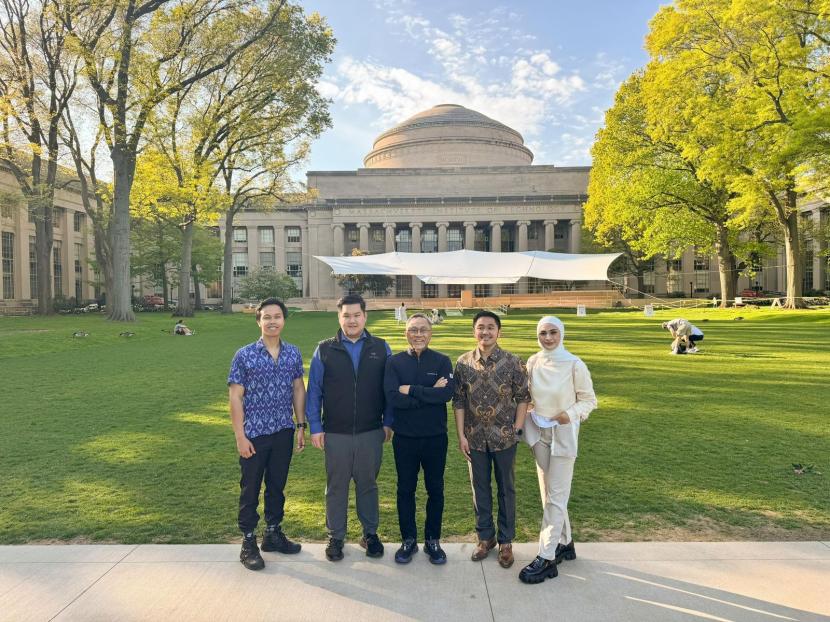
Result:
pixel 301 425
pixel 519 432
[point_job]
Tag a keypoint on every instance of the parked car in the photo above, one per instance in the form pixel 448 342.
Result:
pixel 92 306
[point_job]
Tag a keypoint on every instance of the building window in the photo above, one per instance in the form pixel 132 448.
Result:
pixel 240 264
pixel 508 289
pixel 77 221
pixel 403 286
pixel 429 290
pixel 240 235
pixel 32 268
pixel 57 268
pixel 455 240
pixel 403 244
pixel 79 272
pixel 701 281
pixel 701 262
pixel 482 240
pixel 481 291
pixel 266 236
pixel 674 285
pixel 352 235
pixel 266 259
pixel 429 241
pixel 7 211
pixel 292 235
pixel 454 291
pixel 294 268
pixel 57 217
pixel 807 282
pixel 8 265
pixel 378 236
pixel 648 282
pixel 508 240
pixel 533 231
pixel 32 215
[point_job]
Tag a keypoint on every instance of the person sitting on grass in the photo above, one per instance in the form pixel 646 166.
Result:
pixel 181 329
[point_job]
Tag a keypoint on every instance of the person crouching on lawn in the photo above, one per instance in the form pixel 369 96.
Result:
pixel 562 397
pixel 266 391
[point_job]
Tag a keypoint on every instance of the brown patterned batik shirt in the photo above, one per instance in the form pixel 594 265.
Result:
pixel 488 389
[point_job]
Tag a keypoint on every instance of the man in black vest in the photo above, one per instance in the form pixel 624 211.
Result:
pixel 345 380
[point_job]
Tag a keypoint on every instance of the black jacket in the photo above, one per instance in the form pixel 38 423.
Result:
pixel 353 402
pixel 424 411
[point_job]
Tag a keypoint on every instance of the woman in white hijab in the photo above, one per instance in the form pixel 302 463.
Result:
pixel 563 396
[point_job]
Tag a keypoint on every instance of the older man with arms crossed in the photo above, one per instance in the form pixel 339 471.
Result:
pixel 419 384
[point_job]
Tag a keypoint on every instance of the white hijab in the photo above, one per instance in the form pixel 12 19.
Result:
pixel 559 353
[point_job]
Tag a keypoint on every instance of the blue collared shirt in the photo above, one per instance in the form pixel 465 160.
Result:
pixel 268 403
pixel 316 371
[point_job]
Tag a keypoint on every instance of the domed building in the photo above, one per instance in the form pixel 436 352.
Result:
pixel 447 178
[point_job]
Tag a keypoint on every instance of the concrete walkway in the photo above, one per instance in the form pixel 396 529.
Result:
pixel 660 581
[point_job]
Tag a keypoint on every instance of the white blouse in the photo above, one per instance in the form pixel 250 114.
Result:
pixel 555 387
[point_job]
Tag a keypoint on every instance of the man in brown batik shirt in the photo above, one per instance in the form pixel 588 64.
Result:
pixel 490 403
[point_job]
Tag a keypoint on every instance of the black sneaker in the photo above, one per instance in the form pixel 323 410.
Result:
pixel 565 552
pixel 408 548
pixel 275 540
pixel 334 551
pixel 435 552
pixel 372 544
pixel 249 556
pixel 538 570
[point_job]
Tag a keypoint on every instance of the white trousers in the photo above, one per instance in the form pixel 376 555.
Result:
pixel 555 475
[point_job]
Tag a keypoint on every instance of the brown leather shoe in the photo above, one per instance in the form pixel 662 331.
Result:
pixel 483 549
pixel 505 555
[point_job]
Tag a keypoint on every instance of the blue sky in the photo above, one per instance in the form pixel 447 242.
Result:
pixel 548 69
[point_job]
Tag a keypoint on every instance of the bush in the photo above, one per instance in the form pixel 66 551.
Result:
pixel 263 283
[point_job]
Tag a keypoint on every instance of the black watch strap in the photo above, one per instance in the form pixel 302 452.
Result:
pixel 301 425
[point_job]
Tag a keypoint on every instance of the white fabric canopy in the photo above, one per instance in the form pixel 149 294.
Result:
pixel 477 268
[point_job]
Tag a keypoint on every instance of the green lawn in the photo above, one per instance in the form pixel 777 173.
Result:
pixel 114 439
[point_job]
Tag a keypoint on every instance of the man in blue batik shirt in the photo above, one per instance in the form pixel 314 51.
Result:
pixel 266 390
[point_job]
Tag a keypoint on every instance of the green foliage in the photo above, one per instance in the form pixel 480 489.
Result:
pixel 359 283
pixel 147 453
pixel 264 282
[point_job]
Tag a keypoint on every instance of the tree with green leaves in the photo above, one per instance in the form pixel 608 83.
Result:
pixel 745 77
pixel 135 56
pixel 645 194
pixel 375 283
pixel 263 283
pixel 37 79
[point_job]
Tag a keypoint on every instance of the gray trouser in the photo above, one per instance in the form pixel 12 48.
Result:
pixel 481 464
pixel 353 457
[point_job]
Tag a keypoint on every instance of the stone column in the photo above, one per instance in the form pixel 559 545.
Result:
pixel 521 286
pixel 389 227
pixel 469 235
pixel 550 234
pixel 279 248
pixel 253 248
pixel 576 235
pixel 819 260
pixel 416 248
pixel 21 256
pixel 364 236
pixel 337 233
pixel 305 249
pixel 495 247
pixel 442 248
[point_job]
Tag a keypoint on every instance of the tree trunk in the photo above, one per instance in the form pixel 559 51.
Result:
pixel 197 296
pixel 795 271
pixel 227 266
pixel 727 268
pixel 641 284
pixel 43 251
pixel 185 308
pixel 120 303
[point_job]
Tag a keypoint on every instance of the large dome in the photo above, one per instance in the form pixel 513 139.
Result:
pixel 448 135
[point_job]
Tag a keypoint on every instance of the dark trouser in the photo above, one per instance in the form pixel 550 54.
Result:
pixel 411 455
pixel 503 463
pixel 272 458
pixel 353 457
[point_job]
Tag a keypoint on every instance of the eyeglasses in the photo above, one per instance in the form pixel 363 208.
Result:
pixel 418 331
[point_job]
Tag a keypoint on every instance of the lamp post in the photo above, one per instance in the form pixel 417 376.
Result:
pixel 691 289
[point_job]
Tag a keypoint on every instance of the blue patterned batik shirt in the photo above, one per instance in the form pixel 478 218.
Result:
pixel 269 386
